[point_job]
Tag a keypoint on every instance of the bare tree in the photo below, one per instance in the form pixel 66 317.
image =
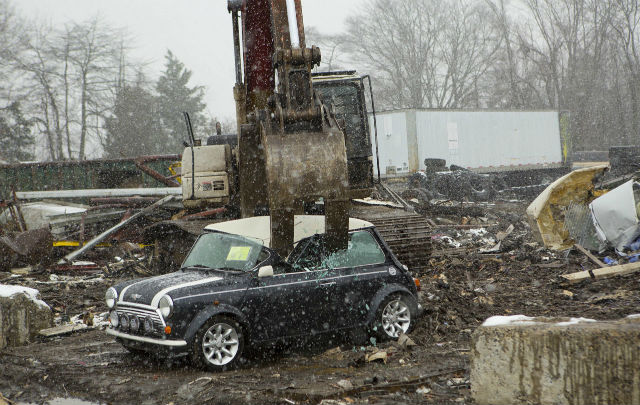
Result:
pixel 70 78
pixel 332 47
pixel 569 43
pixel 424 53
pixel 93 53
pixel 12 41
pixel 627 27
pixel 42 86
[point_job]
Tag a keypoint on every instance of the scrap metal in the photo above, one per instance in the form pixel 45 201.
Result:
pixel 93 242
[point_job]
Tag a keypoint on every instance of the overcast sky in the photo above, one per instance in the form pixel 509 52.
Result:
pixel 198 32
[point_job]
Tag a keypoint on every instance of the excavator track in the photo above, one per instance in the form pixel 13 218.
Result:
pixel 409 236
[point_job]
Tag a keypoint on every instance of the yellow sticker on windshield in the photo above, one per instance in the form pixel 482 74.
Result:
pixel 238 253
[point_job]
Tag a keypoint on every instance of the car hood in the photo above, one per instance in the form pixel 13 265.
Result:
pixel 148 291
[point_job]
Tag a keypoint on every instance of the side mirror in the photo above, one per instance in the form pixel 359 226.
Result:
pixel 265 271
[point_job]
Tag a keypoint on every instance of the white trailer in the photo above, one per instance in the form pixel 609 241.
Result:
pixel 480 140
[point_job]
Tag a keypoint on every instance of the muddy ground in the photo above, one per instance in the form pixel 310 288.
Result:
pixel 460 290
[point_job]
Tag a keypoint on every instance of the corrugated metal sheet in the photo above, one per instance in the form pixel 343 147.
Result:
pixel 481 140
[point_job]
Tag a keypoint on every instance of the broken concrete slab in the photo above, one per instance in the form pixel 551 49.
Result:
pixel 22 315
pixel 522 360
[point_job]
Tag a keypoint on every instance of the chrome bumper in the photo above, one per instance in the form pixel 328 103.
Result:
pixel 144 339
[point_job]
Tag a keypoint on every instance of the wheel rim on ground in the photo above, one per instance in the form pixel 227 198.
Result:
pixel 220 344
pixel 396 318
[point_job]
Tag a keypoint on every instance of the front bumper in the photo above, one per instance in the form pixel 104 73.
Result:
pixel 145 339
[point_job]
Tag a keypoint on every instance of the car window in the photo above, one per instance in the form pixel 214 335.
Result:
pixel 363 249
pixel 220 250
pixel 310 254
pixel 344 99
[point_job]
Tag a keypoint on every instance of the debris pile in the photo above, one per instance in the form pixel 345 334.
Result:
pixel 475 260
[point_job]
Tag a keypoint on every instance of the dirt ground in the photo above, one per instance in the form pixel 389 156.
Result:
pixel 460 290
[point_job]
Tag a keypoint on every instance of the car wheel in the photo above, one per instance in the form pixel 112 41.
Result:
pixel 394 317
pixel 219 344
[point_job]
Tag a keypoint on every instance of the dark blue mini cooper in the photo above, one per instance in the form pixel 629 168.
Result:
pixel 233 292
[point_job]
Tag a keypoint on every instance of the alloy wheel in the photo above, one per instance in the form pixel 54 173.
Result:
pixel 220 344
pixel 396 318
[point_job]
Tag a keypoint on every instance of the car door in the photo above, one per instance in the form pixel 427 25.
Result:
pixel 359 273
pixel 283 305
pixel 324 301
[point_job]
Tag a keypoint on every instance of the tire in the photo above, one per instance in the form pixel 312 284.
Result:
pixel 395 316
pixel 218 345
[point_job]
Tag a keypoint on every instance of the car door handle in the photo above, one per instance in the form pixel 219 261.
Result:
pixel 328 284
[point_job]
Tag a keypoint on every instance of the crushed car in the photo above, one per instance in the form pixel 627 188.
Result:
pixel 233 292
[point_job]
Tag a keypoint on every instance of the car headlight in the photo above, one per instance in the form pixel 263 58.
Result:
pixel 113 318
pixel 134 323
pixel 165 306
pixel 124 321
pixel 148 325
pixel 110 297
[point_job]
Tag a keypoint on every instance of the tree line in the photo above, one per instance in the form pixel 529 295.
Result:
pixel 581 57
pixel 71 92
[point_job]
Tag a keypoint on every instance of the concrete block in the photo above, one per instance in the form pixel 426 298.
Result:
pixel 22 315
pixel 521 360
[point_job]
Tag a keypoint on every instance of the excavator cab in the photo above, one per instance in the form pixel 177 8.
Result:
pixel 343 93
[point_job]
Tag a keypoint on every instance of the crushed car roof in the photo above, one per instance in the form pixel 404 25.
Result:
pixel 258 228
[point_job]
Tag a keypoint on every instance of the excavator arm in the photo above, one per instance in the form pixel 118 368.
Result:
pixel 291 149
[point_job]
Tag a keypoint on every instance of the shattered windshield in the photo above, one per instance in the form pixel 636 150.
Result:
pixel 313 254
pixel 223 251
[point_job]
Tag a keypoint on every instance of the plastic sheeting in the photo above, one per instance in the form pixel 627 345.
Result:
pixel 615 217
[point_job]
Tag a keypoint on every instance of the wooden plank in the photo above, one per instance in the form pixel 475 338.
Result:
pixel 589 255
pixel 63 330
pixel 601 273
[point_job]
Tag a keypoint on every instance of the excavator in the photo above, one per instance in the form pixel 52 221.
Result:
pixel 302 137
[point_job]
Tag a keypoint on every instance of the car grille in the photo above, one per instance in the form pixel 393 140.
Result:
pixel 141 313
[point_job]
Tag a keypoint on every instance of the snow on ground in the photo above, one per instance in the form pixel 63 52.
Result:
pixel 507 320
pixel 7 291
pixel 574 321
pixel 522 319
pixel 477 232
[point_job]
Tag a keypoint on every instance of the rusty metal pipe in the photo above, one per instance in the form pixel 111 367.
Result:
pixel 122 201
pixel 204 214
pixel 140 164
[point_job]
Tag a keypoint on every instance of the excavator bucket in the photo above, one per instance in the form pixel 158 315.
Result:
pixel 306 166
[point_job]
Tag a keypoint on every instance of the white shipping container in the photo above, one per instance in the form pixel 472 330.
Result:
pixel 479 140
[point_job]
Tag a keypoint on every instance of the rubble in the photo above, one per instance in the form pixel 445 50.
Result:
pixel 29 247
pixel 93 242
pixel 470 267
pixel 546 212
